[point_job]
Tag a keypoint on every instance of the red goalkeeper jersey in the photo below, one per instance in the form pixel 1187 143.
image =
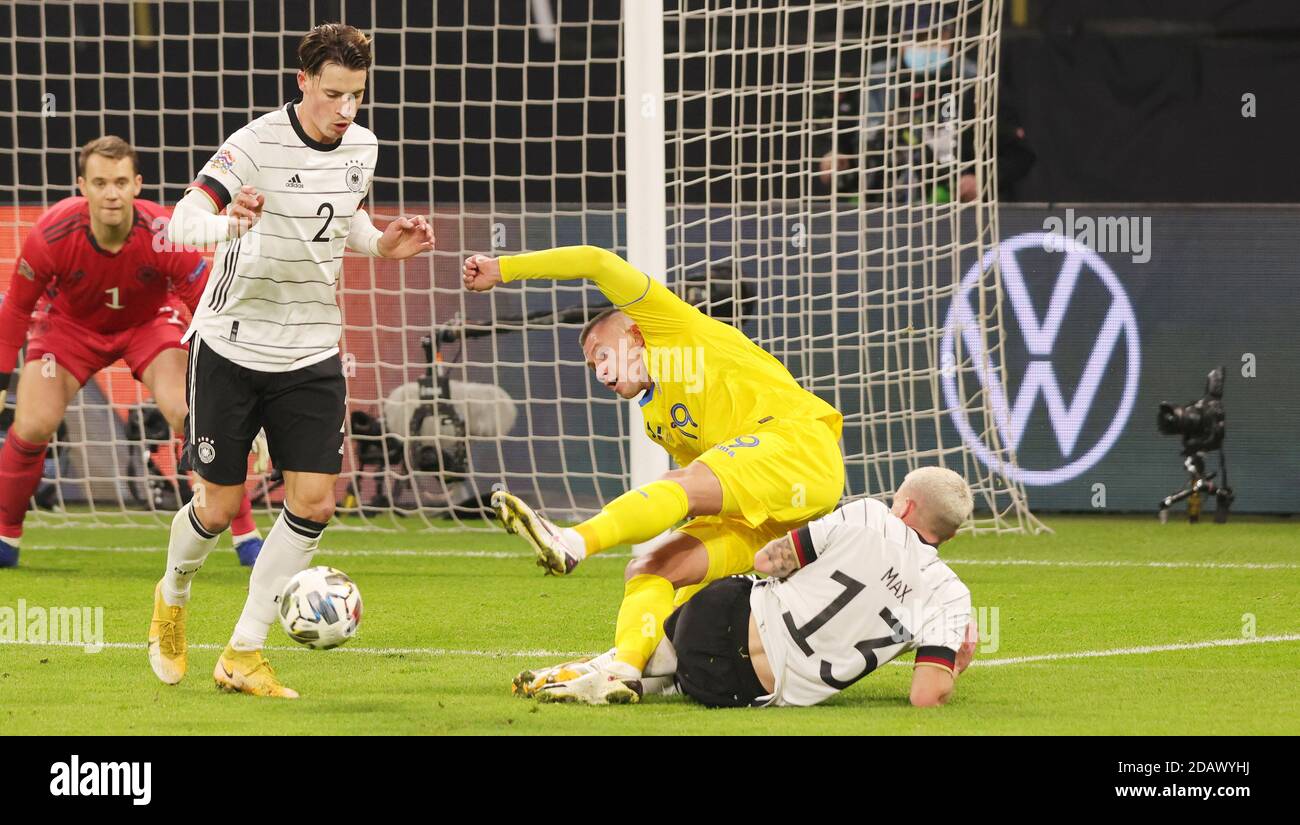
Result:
pixel 105 292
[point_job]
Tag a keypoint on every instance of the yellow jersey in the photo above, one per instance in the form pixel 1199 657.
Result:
pixel 711 384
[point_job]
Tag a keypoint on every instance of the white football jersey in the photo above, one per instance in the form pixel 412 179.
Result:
pixel 869 590
pixel 270 302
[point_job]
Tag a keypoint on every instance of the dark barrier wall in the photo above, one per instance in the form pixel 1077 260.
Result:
pixel 1157 101
pixel 1155 118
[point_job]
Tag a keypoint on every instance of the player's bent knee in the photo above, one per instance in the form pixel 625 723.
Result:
pixel 174 412
pixel 652 564
pixel 215 506
pixel 682 565
pixel 34 430
pixel 637 567
pixel 320 510
pixel 214 519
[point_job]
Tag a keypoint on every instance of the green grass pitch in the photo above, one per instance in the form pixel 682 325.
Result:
pixel 451 616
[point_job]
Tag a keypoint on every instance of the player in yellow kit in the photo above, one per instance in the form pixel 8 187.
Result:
pixel 758 455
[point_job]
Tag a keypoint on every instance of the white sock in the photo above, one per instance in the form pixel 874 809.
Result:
pixel 287 550
pixel 575 542
pixel 622 670
pixel 189 545
pixel 663 661
pixel 658 685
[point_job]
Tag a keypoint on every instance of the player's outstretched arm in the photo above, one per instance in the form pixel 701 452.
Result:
pixel 481 273
pixel 938 665
pixel 645 300
pixel 403 238
pixel 931 686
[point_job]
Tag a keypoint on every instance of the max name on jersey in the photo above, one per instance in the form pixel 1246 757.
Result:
pixel 894 584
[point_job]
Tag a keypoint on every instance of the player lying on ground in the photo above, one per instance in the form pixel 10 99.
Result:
pixel 759 454
pixel 848 593
pixel 111 294
pixel 282 197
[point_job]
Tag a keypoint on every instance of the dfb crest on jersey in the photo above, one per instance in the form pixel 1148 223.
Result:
pixel 207 451
pixel 355 178
pixel 147 274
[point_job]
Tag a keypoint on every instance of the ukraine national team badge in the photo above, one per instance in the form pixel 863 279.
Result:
pixel 682 418
pixel 355 178
pixel 223 160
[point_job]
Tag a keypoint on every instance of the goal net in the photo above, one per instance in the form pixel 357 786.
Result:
pixel 830 183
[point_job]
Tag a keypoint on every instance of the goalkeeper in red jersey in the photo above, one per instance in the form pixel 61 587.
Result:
pixel 113 291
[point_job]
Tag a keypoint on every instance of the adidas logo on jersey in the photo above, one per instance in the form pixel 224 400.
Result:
pixel 294 182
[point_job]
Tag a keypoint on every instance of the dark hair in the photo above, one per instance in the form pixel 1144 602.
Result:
pixel 111 147
pixel 333 43
pixel 595 322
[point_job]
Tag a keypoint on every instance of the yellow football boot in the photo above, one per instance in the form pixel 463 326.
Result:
pixel 529 682
pixel 249 672
pixel 167 655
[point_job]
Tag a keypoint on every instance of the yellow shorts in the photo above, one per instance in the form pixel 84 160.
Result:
pixel 787 471
pixel 775 479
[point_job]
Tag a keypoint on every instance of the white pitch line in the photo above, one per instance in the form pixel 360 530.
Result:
pixel 1131 651
pixel 392 551
pixel 505 554
pixel 1208 565
pixel 369 651
pixel 554 654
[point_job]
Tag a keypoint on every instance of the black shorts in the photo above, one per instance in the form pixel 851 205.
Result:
pixel 302 412
pixel 711 635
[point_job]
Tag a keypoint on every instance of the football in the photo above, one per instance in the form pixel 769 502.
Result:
pixel 320 608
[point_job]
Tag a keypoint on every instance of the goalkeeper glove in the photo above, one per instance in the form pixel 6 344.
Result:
pixel 261 453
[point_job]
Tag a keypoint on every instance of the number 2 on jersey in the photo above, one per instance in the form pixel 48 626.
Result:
pixel 320 236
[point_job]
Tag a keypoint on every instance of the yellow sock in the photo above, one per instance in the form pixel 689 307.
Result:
pixel 637 515
pixel 647 601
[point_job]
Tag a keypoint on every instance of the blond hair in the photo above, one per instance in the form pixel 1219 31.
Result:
pixel 943 499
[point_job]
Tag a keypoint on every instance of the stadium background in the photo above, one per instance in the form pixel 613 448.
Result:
pixel 464 100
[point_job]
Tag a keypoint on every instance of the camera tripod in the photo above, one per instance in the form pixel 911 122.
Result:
pixel 1198 483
